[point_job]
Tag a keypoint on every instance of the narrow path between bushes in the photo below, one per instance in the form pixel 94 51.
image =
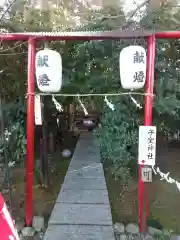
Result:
pixel 82 210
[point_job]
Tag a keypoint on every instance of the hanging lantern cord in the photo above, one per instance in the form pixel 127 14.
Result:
pixel 6 155
pixel 46 45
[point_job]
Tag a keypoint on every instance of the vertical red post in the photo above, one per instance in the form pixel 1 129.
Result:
pixel 141 194
pixel 30 131
pixel 147 122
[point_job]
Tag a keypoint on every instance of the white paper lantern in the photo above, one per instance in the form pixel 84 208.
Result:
pixel 48 70
pixel 132 64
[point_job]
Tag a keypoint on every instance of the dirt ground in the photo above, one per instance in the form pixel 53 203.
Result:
pixel 164 197
pixel 43 199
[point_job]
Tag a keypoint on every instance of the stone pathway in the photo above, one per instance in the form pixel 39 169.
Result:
pixel 82 210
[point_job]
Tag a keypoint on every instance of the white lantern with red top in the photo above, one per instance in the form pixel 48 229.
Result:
pixel 48 71
pixel 132 64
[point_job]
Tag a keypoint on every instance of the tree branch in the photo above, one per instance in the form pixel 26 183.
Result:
pixel 133 13
pixel 7 9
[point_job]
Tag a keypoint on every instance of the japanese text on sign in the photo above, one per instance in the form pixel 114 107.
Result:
pixel 139 76
pixel 146 174
pixel 43 80
pixel 150 143
pixel 138 57
pixel 147 145
pixel 42 61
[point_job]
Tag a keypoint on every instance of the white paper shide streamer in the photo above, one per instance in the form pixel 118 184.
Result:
pixel 83 107
pixel 37 110
pixel 57 105
pixel 135 102
pixel 109 104
pixel 7 134
pixel 165 176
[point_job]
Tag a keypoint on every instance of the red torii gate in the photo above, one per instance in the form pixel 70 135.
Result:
pixel 32 37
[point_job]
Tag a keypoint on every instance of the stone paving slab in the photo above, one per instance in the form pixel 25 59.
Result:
pixel 86 134
pixel 80 165
pixel 93 158
pixel 85 142
pixel 80 232
pixel 81 214
pixel 83 196
pixel 84 184
pixel 86 155
pixel 75 165
pixel 95 171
